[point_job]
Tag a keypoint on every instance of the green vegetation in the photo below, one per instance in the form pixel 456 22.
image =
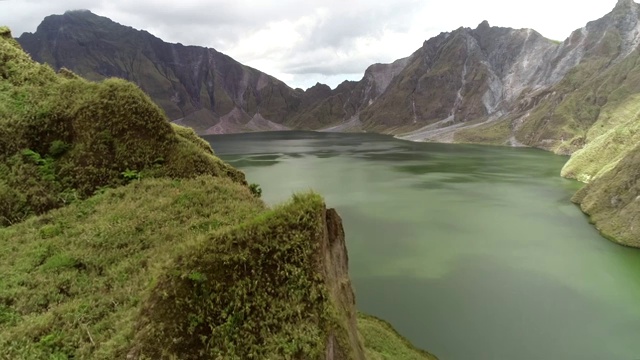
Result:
pixel 494 133
pixel 125 237
pixel 75 279
pixel 571 113
pixel 382 342
pixel 255 189
pixel 63 138
pixel 613 200
pixel 611 138
pixel 247 292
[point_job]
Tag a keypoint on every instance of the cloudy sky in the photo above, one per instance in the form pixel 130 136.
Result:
pixel 306 41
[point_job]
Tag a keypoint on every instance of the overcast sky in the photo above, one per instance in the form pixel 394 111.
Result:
pixel 306 41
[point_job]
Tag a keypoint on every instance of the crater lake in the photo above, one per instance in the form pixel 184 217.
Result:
pixel 470 252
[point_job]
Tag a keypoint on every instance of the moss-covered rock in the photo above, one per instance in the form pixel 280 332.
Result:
pixel 190 269
pixel 256 291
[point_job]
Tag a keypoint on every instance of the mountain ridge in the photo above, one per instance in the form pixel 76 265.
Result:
pixel 491 91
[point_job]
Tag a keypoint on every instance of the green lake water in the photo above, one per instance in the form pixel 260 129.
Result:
pixel 471 252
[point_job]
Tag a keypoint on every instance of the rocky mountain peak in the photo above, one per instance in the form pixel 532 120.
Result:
pixel 483 25
pixel 625 3
pixel 625 9
pixel 80 12
pixel 623 20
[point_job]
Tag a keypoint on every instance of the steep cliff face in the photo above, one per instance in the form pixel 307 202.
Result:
pixel 463 76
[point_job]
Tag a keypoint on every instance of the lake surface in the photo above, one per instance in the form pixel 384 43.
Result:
pixel 471 252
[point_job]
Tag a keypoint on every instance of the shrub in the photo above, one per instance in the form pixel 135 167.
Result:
pixel 255 189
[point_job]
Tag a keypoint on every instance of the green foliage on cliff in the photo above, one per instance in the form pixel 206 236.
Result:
pixel 75 279
pixel 611 138
pixel 613 200
pixel 255 291
pixel 62 138
pixel 382 342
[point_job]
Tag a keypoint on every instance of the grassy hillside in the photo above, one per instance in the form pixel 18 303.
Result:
pixel 199 261
pixel 122 236
pixel 62 138
pixel 612 137
pixel 613 200
pixel 75 279
pixel 382 342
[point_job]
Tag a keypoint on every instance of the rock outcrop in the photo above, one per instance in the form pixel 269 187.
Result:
pixel 278 287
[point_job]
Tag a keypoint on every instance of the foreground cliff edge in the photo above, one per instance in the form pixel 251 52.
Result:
pixel 125 237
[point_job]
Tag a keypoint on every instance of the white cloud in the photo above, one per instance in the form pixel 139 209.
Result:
pixel 303 42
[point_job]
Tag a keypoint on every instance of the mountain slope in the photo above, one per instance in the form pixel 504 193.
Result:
pixel 613 200
pixel 199 86
pixel 472 85
pixel 604 76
